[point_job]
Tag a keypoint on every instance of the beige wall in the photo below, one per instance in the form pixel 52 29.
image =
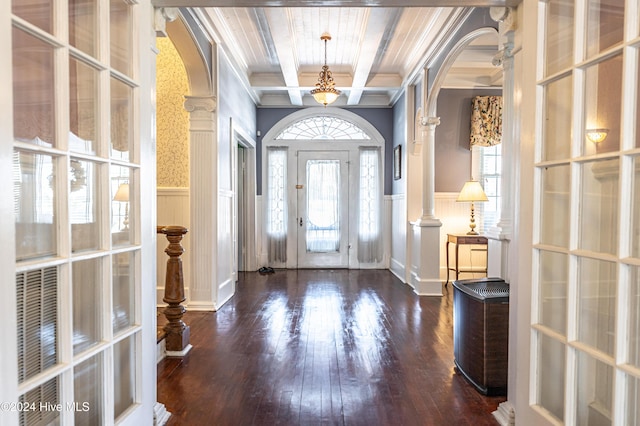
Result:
pixel 172 118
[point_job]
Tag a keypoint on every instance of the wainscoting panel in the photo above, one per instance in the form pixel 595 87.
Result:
pixel 455 220
pixel 227 251
pixel 398 227
pixel 173 209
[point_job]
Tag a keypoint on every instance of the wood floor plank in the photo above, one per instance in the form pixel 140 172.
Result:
pixel 336 347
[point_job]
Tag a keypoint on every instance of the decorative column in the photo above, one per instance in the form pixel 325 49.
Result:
pixel 425 251
pixel 500 236
pixel 203 201
pixel 177 338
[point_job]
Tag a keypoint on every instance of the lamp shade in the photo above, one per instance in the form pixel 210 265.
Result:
pixel 472 191
pixel 122 194
pixel 325 97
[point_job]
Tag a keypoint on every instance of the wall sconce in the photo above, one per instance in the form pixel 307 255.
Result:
pixel 597 135
pixel 122 195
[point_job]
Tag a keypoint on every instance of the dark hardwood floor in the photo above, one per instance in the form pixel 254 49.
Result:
pixel 311 347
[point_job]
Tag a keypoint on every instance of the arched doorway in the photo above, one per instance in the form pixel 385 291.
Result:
pixel 323 173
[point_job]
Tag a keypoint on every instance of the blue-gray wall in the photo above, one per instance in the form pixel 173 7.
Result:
pixel 400 139
pixel 452 153
pixel 380 118
pixel 236 104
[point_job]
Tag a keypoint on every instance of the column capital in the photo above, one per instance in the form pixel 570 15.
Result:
pixel 430 122
pixel 200 103
pixel 162 15
pixel 506 17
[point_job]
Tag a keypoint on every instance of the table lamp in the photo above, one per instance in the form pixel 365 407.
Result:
pixel 471 192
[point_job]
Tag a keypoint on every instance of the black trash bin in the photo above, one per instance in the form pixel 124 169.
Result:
pixel 481 332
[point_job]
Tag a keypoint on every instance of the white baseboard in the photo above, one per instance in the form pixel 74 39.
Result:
pixel 160 414
pixel 505 414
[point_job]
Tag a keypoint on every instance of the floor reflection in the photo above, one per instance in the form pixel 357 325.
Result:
pixel 324 346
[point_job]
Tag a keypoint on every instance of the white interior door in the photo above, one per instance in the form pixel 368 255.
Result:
pixel 323 212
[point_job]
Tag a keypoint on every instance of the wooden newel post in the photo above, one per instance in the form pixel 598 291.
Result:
pixel 177 338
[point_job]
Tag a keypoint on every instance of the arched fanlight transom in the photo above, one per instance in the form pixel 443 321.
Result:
pixel 323 127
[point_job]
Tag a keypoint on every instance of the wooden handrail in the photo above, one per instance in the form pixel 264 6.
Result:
pixel 177 338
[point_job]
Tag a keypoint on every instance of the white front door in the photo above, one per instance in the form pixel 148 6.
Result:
pixel 322 221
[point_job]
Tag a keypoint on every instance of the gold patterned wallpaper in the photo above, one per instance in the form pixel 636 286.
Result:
pixel 172 118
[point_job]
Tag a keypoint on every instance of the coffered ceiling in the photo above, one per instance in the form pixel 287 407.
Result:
pixel 373 51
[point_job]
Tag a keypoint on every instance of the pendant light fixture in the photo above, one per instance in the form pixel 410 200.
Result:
pixel 325 91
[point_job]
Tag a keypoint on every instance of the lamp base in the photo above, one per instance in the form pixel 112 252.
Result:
pixel 472 232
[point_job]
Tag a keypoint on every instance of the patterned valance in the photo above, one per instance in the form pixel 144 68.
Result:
pixel 486 121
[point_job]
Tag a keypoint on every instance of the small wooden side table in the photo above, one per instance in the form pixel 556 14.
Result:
pixel 459 240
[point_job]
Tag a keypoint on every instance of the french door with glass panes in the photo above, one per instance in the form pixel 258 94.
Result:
pixel 323 209
pixel 76 168
pixel 586 251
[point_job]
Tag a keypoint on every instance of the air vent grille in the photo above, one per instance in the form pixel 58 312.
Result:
pixel 37 312
pixel 43 399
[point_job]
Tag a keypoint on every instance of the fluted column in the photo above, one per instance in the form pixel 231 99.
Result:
pixel 429 170
pixel 203 200
pixel 425 253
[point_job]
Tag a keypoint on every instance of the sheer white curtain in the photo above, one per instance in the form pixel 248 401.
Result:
pixel 277 205
pixel 323 206
pixel 370 207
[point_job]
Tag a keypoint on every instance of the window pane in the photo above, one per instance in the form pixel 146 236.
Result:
pixel 369 217
pixel 556 144
pixel 597 303
pixel 633 338
pixel 34 181
pixel 121 36
pixel 123 291
pixel 559 35
pixel 554 222
pixel 83 107
pixel 33 90
pixel 83 25
pixel 87 304
pixel 122 201
pixel 323 206
pixel 87 386
pixel 635 209
pixel 605 25
pixel 83 205
pixel 598 215
pixel 47 394
pixel 490 177
pixel 638 110
pixel 633 401
pixel 603 103
pixel 37 12
pixel 121 122
pixel 277 205
pixel 124 377
pixel 554 274
pixel 594 391
pixel 551 373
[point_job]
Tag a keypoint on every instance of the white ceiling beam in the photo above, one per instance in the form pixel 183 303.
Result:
pixel 334 3
pixel 282 35
pixel 377 21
